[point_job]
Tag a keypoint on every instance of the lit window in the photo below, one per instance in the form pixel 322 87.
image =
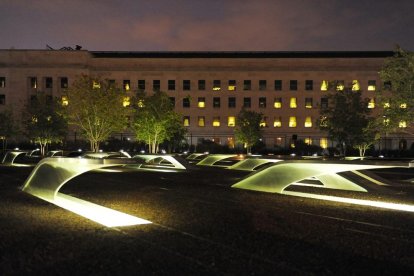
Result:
pixel 324 85
pixel 323 143
pixel 277 122
pixel 308 121
pixel 216 85
pixel 2 82
pixel 232 85
pixel 308 102
pixel 230 142
pixel 402 124
pixel 216 121
pixel 292 121
pixel 371 103
pixel 140 103
pixel 403 105
pixel 355 85
pixel 126 102
pixel 323 121
pixel 340 85
pixel 33 82
pixel 96 85
pixel 386 121
pixel 201 102
pixel 201 121
pixel 231 121
pixel 186 121
pixel 278 141
pixel 65 100
pixel 278 103
pixel 386 105
pixel 263 122
pixel 308 141
pixel 372 85
pixel 293 103
pixel 127 85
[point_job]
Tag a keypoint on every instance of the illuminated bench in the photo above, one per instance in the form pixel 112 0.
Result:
pixel 10 156
pixel 157 162
pixel 250 164
pixel 212 159
pixel 50 174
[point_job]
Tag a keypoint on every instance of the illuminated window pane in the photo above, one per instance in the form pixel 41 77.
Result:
pixel 277 122
pixel 232 85
pixel 324 85
pixel 340 85
pixel 292 121
pixel 263 123
pixel 216 85
pixel 308 121
pixel 403 105
pixel 201 102
pixel 355 85
pixel 2 82
pixel 216 121
pixel 65 100
pixel 308 141
pixel 278 103
pixel 126 102
pixel 386 121
pixel 231 121
pixel 96 85
pixel 201 121
pixel 186 121
pixel 308 102
pixel 140 103
pixel 402 124
pixel 386 105
pixel 371 103
pixel 293 103
pixel 323 143
pixel 127 85
pixel 372 85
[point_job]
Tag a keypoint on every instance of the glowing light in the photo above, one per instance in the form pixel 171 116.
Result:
pixel 340 86
pixel 201 104
pixel 65 101
pixel 355 85
pixel 324 85
pixel 201 121
pixel 186 121
pixel 292 121
pixel 371 103
pixel 216 88
pixel 308 141
pixel 278 103
pixel 323 143
pixel 126 102
pixel 293 103
pixel 386 105
pixel 216 122
pixel 402 124
pixel 308 121
pixel 231 122
pixel 277 122
pixel 231 88
pixel 403 105
pixel 96 85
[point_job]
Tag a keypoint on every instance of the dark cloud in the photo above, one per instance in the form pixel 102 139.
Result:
pixel 232 25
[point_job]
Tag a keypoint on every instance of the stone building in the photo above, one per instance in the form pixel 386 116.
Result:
pixel 208 88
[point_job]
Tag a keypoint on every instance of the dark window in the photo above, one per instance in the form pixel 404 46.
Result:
pixel 387 85
pixel 216 84
pixel 172 100
pixel 63 82
pixel 2 82
pixel 33 82
pixel 111 83
pixel 201 85
pixel 171 84
pixel 308 102
pixel 247 102
pixel 216 102
pixel 232 85
pixel 48 82
pixel 2 99
pixel 186 85
pixel 126 85
pixel 247 85
pixel 262 102
pixel 141 85
pixel 324 102
pixel 232 102
pixel 309 85
pixel 186 102
pixel 278 85
pixel 262 85
pixel 293 85
pixel 156 85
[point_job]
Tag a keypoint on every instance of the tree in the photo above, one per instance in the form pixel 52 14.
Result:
pixel 397 95
pixel 43 121
pixel 7 127
pixel 345 117
pixel 247 129
pixel 369 135
pixel 155 120
pixel 97 107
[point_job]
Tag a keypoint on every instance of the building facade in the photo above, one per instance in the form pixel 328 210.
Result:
pixel 208 88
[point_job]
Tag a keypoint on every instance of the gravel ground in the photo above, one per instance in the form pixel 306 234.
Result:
pixel 201 226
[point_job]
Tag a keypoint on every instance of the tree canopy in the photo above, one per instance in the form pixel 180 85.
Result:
pixel 7 126
pixel 345 118
pixel 97 107
pixel 397 95
pixel 247 130
pixel 43 121
pixel 155 120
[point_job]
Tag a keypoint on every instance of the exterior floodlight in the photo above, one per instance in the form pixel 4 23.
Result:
pixel 51 174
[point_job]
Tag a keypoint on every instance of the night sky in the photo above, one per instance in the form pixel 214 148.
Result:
pixel 208 25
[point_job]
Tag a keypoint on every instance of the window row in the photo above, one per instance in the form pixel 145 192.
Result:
pixel 230 121
pixel 277 103
pixel 46 82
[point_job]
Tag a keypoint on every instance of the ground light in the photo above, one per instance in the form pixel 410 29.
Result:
pixel 51 174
